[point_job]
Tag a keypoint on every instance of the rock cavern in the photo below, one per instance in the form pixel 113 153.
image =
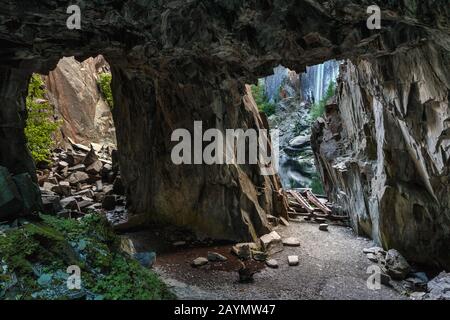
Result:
pixel 381 147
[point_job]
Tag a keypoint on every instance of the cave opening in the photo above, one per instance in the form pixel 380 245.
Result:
pixel 71 136
pixel 292 103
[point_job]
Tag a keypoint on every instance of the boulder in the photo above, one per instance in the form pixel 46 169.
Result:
pixel 293 260
pixel 272 263
pixel 216 257
pixel 439 287
pixel 396 265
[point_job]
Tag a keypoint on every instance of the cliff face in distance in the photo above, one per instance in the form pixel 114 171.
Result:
pixel 384 150
pixel 74 92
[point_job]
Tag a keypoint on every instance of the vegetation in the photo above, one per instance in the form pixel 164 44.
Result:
pixel 261 100
pixel 104 82
pixel 40 125
pixel 318 109
pixel 34 257
pixel 316 184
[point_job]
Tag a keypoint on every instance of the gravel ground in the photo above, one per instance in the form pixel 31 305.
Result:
pixel 332 266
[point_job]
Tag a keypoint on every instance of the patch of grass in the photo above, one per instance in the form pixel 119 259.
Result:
pixel 34 258
pixel 318 109
pixel 40 125
pixel 104 82
pixel 261 100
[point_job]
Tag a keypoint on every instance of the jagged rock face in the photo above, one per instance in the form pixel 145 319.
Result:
pixel 73 91
pixel 384 150
pixel 179 61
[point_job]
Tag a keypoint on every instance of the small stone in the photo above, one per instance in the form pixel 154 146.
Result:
pixel 48 186
pixel 374 250
pixel 216 257
pixel 259 255
pixel 78 167
pixel 78 177
pixel 200 261
pixel 95 168
pixel 243 250
pixel 272 263
pixel 291 242
pixel 293 260
pixel 323 227
pixel 417 295
pixel 118 187
pixel 70 203
pixel 372 257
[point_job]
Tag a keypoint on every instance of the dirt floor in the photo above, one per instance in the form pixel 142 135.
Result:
pixel 332 266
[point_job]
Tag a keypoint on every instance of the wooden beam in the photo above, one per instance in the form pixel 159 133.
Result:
pixel 313 199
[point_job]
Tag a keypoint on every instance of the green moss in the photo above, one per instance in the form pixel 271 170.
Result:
pixel 104 82
pixel 316 184
pixel 261 100
pixel 128 280
pixel 40 125
pixel 37 254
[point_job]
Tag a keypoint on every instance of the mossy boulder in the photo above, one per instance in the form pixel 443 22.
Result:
pixel 35 255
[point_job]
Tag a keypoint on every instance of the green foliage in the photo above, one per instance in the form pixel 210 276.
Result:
pixel 35 255
pixel 40 125
pixel 316 184
pixel 261 100
pixel 318 109
pixel 104 83
pixel 129 280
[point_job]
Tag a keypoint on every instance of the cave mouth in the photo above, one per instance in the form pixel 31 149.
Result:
pixel 71 136
pixel 292 102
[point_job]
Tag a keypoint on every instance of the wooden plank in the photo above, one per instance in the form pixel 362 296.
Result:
pixel 302 201
pixel 313 199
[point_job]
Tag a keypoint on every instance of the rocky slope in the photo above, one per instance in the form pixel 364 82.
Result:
pixel 73 90
pixel 384 150
pixel 176 62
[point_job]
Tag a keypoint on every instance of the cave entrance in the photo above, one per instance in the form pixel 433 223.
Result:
pixel 71 137
pixel 292 102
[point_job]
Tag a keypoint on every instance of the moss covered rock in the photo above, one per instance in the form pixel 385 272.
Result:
pixel 35 255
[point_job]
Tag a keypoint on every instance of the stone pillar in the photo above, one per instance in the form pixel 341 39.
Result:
pixel 14 154
pixel 219 201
